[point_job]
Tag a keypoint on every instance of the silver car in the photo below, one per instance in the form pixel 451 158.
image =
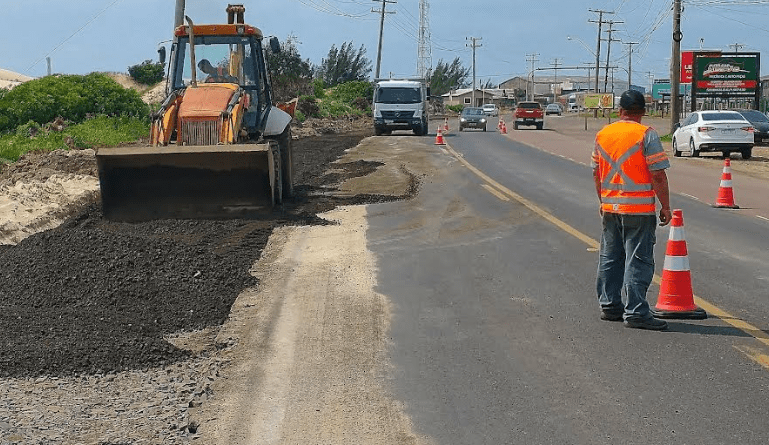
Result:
pixel 553 109
pixel 717 130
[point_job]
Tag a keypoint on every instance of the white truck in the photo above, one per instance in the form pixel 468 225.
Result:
pixel 400 104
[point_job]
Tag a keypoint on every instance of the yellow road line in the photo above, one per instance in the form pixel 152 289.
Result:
pixel 495 192
pixel 710 308
pixel 535 208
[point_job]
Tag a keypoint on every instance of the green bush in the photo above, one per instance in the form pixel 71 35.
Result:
pixel 299 116
pixel 455 108
pixel 147 72
pixel 319 88
pixel 71 97
pixel 337 109
pixel 349 91
pixel 96 132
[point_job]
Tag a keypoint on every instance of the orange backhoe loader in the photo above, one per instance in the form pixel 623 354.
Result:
pixel 219 148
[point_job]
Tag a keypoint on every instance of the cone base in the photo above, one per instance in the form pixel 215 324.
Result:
pixel 725 206
pixel 697 314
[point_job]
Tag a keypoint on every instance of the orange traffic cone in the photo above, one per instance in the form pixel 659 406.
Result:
pixel 499 125
pixel 676 299
pixel 446 125
pixel 725 193
pixel 503 130
pixel 439 138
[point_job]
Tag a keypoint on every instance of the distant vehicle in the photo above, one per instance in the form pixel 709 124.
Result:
pixel 528 113
pixel 400 105
pixel 553 109
pixel 490 110
pixel 760 122
pixel 472 117
pixel 718 130
pixel 572 103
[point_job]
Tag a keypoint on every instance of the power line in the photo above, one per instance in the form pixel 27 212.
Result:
pixel 73 35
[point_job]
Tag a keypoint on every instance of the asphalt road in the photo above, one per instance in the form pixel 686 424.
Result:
pixel 495 335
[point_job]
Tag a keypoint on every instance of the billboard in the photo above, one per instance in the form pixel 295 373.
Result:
pixel 661 89
pixel 604 100
pixel 687 63
pixel 732 75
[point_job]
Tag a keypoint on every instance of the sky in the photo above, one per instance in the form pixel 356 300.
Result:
pixel 83 36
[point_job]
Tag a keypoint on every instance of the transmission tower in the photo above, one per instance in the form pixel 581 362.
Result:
pixel 425 51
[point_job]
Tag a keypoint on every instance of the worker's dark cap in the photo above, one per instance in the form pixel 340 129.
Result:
pixel 632 100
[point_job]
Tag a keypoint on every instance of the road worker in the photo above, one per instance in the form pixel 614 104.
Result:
pixel 629 165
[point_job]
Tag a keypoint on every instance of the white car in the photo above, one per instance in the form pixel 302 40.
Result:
pixel 490 110
pixel 717 130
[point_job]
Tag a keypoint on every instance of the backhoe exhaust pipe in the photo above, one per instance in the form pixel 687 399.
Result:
pixel 233 11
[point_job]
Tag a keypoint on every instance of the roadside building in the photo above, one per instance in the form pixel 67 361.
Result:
pixel 464 96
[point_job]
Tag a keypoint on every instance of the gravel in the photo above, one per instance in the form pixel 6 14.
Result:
pixel 94 315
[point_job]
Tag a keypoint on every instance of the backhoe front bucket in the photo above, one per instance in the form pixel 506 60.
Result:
pixel 189 182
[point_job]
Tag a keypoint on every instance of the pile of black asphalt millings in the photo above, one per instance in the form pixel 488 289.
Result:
pixel 94 296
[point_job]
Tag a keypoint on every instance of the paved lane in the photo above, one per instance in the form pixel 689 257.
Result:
pixel 495 331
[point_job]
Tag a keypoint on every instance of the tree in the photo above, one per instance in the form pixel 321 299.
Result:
pixel 343 65
pixel 290 76
pixel 488 85
pixel 446 77
pixel 147 72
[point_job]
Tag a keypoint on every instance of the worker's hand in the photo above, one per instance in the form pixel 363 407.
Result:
pixel 665 216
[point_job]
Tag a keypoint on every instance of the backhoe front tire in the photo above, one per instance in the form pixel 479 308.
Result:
pixel 284 141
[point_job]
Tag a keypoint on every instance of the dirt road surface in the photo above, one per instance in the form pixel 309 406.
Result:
pixel 122 333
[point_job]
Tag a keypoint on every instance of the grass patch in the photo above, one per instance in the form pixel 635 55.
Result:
pixel 97 132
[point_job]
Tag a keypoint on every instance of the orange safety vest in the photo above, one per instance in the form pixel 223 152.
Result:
pixel 626 185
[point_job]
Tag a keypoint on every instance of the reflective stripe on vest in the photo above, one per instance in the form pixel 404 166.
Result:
pixel 627 185
pixel 625 182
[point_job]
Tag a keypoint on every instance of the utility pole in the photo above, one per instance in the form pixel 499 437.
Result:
pixel 675 67
pixel 555 64
pixel 630 62
pixel 424 56
pixel 598 45
pixel 474 45
pixel 608 53
pixel 381 32
pixel 650 75
pixel 531 58
pixel 179 17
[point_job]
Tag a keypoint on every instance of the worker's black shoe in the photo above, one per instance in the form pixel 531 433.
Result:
pixel 611 315
pixel 649 322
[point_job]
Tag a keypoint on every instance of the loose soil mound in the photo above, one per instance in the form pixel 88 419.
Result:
pixel 93 296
